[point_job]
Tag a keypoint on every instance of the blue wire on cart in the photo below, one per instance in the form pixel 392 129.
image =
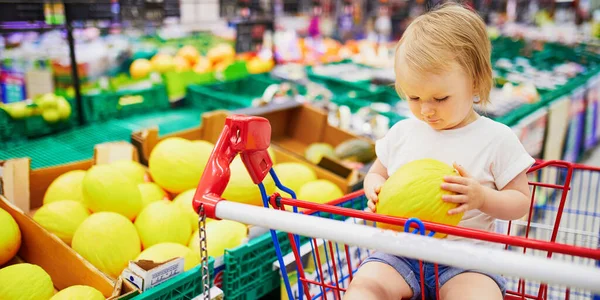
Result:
pixel 295 236
pixel 263 192
pixel 420 230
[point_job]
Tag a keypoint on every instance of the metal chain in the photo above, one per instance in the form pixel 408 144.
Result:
pixel 203 254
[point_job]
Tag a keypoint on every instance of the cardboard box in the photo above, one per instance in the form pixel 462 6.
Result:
pixel 26 188
pixel 146 274
pixel 22 191
pixel 294 127
pixel 63 264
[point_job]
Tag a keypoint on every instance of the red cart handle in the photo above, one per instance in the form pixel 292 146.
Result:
pixel 249 136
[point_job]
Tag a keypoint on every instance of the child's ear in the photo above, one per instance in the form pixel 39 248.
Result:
pixel 475 88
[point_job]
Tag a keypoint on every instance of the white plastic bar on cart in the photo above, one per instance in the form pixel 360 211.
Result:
pixel 415 246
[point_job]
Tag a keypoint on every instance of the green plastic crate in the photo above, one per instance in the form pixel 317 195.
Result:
pixel 228 95
pixel 78 144
pixel 249 270
pixel 44 152
pixel 65 147
pixel 354 94
pixel 182 287
pixel 34 126
pixel 335 82
pixel 173 120
pixel 9 129
pixel 125 103
pixel 177 82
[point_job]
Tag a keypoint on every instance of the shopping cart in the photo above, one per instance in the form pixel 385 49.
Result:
pixel 553 253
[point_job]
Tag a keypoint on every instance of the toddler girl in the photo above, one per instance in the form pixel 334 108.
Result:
pixel 443 67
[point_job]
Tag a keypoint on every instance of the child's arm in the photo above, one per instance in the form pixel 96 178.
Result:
pixel 510 203
pixel 373 182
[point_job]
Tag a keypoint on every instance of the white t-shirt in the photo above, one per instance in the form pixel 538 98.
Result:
pixel 489 151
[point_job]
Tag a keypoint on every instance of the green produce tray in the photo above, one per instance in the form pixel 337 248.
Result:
pixel 182 287
pixel 12 130
pixel 177 82
pixel 174 120
pixel 125 103
pixel 228 95
pixel 9 129
pixel 78 144
pixel 335 82
pixel 66 147
pixel 355 94
pixel 249 270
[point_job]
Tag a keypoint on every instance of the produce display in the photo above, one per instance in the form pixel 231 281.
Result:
pixel 78 292
pixel 350 152
pixel 22 280
pixel 236 234
pixel 13 278
pixel 62 218
pixel 319 191
pixel 162 222
pixel 108 240
pixel 51 107
pixel 66 186
pixel 187 157
pixel 10 237
pixel 107 189
pixel 162 252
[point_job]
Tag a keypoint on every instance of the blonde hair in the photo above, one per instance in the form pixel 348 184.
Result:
pixel 450 34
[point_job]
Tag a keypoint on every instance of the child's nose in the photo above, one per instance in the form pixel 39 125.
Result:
pixel 427 111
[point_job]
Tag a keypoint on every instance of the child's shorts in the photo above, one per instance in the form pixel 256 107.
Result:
pixel 409 269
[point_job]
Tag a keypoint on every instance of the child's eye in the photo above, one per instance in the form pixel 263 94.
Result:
pixel 441 99
pixel 414 98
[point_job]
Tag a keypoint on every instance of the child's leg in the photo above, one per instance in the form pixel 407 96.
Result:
pixel 382 276
pixel 472 285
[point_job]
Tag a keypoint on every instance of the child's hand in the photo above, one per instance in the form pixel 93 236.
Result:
pixel 372 195
pixel 469 192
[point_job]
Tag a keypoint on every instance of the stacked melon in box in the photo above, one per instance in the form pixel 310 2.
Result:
pixel 21 280
pixel 122 211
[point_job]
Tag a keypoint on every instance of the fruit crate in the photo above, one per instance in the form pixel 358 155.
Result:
pixel 355 94
pixel 182 287
pixel 34 126
pixel 78 144
pixel 249 270
pixel 65 147
pixel 106 105
pixel 229 95
pixel 10 131
pixel 172 120
pixel 177 82
pixel 338 79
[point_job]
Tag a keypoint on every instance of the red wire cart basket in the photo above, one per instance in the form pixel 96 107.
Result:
pixel 552 253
